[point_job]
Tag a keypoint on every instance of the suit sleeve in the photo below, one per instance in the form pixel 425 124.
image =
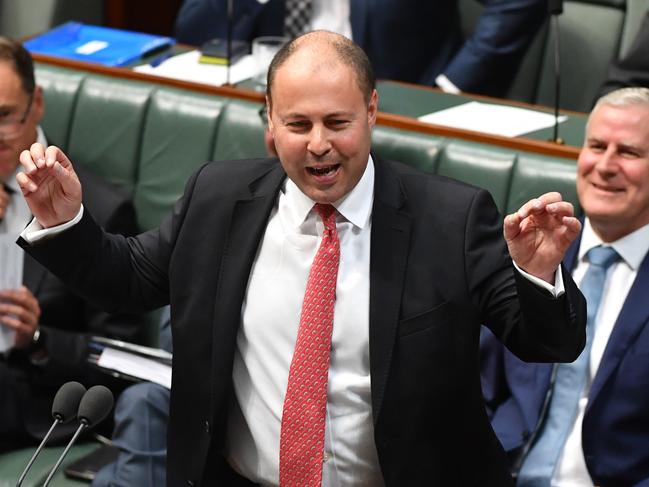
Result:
pixel 534 325
pixel 68 332
pixel 491 56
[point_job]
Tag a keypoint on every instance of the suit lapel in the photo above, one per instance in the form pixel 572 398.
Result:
pixel 389 253
pixel 632 318
pixel 248 222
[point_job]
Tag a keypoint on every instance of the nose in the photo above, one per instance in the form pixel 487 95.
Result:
pixel 319 143
pixel 607 163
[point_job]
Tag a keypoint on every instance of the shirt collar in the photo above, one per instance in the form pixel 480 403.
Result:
pixel 632 247
pixel 355 207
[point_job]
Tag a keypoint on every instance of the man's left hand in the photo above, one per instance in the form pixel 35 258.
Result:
pixel 539 234
pixel 19 310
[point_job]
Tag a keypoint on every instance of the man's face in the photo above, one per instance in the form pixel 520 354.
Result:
pixel 613 170
pixel 321 125
pixel 15 107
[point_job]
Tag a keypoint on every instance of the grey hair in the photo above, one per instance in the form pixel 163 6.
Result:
pixel 624 97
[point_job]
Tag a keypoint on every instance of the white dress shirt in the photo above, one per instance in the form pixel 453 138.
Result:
pixel 571 469
pixel 266 340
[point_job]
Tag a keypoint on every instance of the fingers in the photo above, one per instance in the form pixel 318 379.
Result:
pixel 40 164
pixel 19 309
pixel 538 205
pixel 512 226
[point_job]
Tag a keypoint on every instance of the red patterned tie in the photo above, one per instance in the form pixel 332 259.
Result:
pixel 301 447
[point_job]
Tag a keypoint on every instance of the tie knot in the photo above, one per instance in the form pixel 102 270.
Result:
pixel 328 214
pixel 602 256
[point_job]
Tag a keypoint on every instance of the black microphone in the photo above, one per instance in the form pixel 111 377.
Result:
pixel 64 409
pixel 555 8
pixel 94 406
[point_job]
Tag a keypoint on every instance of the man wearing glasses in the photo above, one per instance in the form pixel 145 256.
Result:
pixel 44 328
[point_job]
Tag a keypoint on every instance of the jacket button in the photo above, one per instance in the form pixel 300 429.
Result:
pixel 207 427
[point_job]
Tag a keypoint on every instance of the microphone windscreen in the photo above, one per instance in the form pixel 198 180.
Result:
pixel 66 401
pixel 95 405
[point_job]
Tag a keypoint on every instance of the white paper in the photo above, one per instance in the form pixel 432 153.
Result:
pixel 187 68
pixel 492 119
pixel 11 277
pixel 136 366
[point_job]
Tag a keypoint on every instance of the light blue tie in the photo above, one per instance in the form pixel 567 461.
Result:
pixel 539 465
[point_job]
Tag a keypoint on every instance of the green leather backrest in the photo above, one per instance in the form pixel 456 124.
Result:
pixel 107 128
pixel 241 132
pixel 534 175
pixel 179 134
pixel 479 165
pixel 590 38
pixel 419 150
pixel 60 88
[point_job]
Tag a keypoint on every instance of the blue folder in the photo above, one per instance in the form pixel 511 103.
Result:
pixel 91 43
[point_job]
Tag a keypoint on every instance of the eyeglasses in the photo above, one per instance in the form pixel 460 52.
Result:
pixel 11 127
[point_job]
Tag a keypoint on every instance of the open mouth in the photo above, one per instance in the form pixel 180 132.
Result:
pixel 323 170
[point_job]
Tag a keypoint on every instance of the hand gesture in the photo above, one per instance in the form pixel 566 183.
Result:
pixel 50 185
pixel 539 234
pixel 19 310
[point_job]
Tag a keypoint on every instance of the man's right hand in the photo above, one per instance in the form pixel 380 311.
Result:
pixel 50 185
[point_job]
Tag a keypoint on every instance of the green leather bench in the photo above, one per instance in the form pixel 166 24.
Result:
pixel 147 139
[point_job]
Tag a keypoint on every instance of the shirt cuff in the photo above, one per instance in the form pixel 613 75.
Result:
pixel 447 85
pixel 557 290
pixel 34 232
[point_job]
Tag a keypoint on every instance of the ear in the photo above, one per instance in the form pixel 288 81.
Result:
pixel 372 109
pixel 269 111
pixel 38 105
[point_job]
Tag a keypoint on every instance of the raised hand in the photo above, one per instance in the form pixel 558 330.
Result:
pixel 539 234
pixel 50 185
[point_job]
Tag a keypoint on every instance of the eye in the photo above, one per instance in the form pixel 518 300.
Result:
pixel 299 125
pixel 597 147
pixel 337 123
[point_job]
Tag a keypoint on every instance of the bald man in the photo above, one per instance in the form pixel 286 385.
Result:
pixel 325 331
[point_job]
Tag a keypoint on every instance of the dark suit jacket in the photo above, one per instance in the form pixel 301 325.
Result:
pixel 615 431
pixel 67 320
pixel 407 40
pixel 633 68
pixel 439 268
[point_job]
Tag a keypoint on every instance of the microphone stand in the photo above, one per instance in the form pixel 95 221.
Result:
pixel 555 8
pixel 56 422
pixel 82 426
pixel 229 41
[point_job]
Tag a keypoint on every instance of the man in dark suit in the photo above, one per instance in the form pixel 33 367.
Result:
pixel 606 433
pixel 385 369
pixel 51 324
pixel 406 40
pixel 633 68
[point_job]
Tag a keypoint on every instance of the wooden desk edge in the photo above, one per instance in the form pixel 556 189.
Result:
pixel 383 118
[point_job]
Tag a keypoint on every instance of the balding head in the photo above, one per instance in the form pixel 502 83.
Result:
pixel 321 50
